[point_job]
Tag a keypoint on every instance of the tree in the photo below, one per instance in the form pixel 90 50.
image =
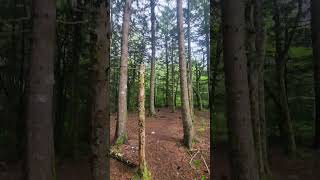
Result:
pixel 283 41
pixel 190 85
pixel 76 49
pixel 143 170
pixel 121 135
pixel 242 156
pixel 100 118
pixel 153 53
pixel 39 92
pixel 256 54
pixel 186 113
pixel 315 23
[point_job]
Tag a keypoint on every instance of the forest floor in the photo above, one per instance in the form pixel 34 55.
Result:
pixel 166 156
pixel 305 167
pixel 168 160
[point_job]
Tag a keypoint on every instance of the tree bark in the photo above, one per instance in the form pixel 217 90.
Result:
pixel 173 103
pixel 100 109
pixel 315 23
pixel 153 53
pixel 256 54
pixel 39 114
pixel 242 156
pixel 76 49
pixel 198 90
pixel 121 135
pixel 281 58
pixel 144 173
pixel 167 69
pixel 190 85
pixel 186 113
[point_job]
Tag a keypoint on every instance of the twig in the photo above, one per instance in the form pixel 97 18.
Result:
pixel 193 157
pixel 205 163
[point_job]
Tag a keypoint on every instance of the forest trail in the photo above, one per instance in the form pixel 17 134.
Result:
pixel 166 157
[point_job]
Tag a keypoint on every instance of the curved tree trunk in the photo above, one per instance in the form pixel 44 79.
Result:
pixel 121 135
pixel 39 91
pixel 186 113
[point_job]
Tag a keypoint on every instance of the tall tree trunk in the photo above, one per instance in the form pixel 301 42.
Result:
pixel 315 21
pixel 143 170
pixel 281 58
pixel 76 49
pixel 153 53
pixel 121 135
pixel 167 69
pixel 256 55
pixel 40 144
pixel 198 90
pixel 260 47
pixel 173 103
pixel 286 121
pixel 100 90
pixel 242 156
pixel 190 85
pixel 211 84
pixel 186 113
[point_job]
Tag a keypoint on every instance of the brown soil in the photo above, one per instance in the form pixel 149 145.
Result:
pixel 168 160
pixel 166 156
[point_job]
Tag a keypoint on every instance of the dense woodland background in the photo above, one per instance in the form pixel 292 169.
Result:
pixel 257 59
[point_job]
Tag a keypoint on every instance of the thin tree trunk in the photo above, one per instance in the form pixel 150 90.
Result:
pixel 40 144
pixel 100 90
pixel 190 85
pixel 186 113
pixel 121 135
pixel 167 70
pixel 315 11
pixel 253 76
pixel 153 53
pixel 242 156
pixel 144 173
pixel 281 58
pixel 173 103
pixel 286 121
pixel 198 90
pixel 260 45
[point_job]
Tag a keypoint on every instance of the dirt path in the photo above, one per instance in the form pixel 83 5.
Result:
pixel 166 157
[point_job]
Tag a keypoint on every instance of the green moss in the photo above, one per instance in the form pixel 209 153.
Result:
pixel 196 163
pixel 203 177
pixel 144 174
pixel 121 140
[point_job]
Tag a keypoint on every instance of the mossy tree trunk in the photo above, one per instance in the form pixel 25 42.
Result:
pixel 143 170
